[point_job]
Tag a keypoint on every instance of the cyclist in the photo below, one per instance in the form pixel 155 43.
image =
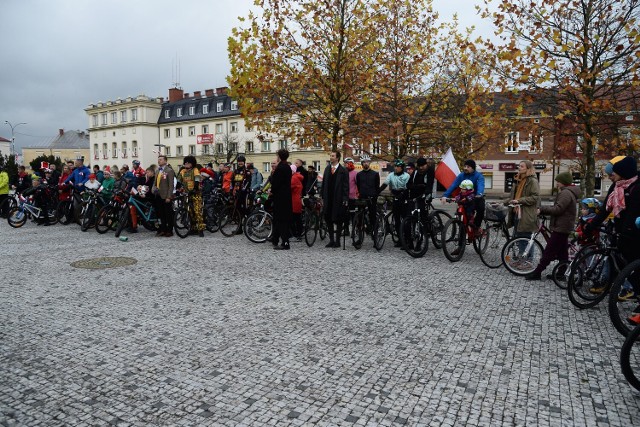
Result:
pixel 353 189
pixel 106 189
pixel 78 177
pixel 563 215
pixel 397 182
pixel 138 172
pixel 470 173
pixel 4 190
pixel 368 182
pixel 40 194
pixel 22 181
pixel 335 195
pixel 189 176
pixel 420 184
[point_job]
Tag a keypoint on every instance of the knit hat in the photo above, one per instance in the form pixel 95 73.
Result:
pixel 92 176
pixel 421 161
pixel 470 163
pixel 565 178
pixel 626 168
pixel 608 169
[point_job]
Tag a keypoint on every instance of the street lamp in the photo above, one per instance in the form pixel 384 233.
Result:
pixel 13 148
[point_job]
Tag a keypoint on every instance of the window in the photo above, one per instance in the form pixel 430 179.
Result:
pixel 266 166
pixel 282 143
pixel 219 148
pixel 488 181
pixel 192 130
pixel 375 147
pixel 167 113
pixel 266 145
pixel 134 114
pixel 537 141
pixel 179 150
pixel 205 148
pixel 124 150
pixel 316 165
pixel 167 151
pixel 234 105
pixel 233 147
pixel 192 110
pixel 179 112
pixel 123 116
pixel 511 142
pixel 105 150
pixel 205 109
pixel 178 132
pixel 249 146
pixel 94 120
pixel 205 128
pixel 234 127
pixel 114 117
pixel 248 128
pixel 219 128
pixel 134 148
pixel 192 150
pixel 95 151
pixel 114 150
pixel 104 118
pixel 219 107
pixel 167 133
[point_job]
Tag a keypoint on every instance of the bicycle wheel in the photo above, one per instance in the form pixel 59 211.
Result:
pixel 379 232
pixel 17 218
pixel 589 279
pixel 87 217
pixel 480 242
pixel 357 230
pixel 230 221
pixel 623 302
pixel 630 358
pixel 311 229
pixel 182 223
pixel 391 227
pixel 521 255
pixel 123 221
pixel 495 240
pixel 453 239
pixel 65 212
pixel 211 219
pixel 7 206
pixel 258 227
pixel 560 274
pixel 437 219
pixel 105 219
pixel 414 237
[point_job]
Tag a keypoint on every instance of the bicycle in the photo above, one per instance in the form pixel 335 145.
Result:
pixel 26 209
pixel 65 207
pixel 592 273
pixel 458 232
pixel 314 224
pixel 108 215
pixel 146 215
pixel 496 233
pixel 360 223
pixel 182 221
pixel 630 358
pixel 10 203
pixel 521 255
pixel 418 227
pixel 88 212
pixel 259 224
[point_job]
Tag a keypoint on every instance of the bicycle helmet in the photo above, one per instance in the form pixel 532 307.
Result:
pixel 591 203
pixel 467 184
pixel 365 158
pixel 348 160
pixel 136 162
pixel 399 163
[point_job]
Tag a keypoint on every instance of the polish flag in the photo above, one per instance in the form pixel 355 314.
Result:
pixel 447 170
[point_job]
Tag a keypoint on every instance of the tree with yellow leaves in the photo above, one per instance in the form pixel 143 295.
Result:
pixel 584 54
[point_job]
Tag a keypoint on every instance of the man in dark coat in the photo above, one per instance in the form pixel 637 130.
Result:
pixel 282 204
pixel 335 195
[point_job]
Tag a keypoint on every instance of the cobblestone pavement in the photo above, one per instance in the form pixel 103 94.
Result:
pixel 222 332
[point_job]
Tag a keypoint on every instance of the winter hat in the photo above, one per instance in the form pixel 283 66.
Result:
pixel 470 163
pixel 411 165
pixel 609 166
pixel 626 168
pixel 421 161
pixel 564 178
pixel 92 176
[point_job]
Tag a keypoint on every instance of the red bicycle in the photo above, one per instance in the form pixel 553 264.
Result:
pixel 459 232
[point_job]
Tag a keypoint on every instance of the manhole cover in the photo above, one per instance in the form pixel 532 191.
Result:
pixel 104 262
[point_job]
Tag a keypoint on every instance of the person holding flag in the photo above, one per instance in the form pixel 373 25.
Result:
pixel 470 173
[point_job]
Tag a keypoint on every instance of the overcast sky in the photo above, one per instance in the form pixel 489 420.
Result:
pixel 60 56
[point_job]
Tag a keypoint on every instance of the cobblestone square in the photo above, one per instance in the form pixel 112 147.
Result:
pixel 219 331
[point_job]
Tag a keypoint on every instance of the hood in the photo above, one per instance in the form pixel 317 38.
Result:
pixel 574 189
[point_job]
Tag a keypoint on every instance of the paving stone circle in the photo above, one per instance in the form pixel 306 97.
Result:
pixel 104 262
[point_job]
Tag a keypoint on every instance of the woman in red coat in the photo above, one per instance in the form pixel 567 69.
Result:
pixel 296 200
pixel 64 191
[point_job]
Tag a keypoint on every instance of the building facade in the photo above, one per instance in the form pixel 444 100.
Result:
pixel 5 146
pixel 124 130
pixel 67 145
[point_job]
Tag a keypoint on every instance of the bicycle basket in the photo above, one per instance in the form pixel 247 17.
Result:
pixel 496 212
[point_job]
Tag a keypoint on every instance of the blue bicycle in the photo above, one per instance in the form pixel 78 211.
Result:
pixel 145 212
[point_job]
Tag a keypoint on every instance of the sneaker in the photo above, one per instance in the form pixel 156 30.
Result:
pixel 597 289
pixel 626 294
pixel 533 276
pixel 634 320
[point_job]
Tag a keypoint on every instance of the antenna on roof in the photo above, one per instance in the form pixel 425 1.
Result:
pixel 175 72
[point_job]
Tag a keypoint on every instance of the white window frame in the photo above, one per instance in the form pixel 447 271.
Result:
pixel 167 151
pixel 192 110
pixel 219 106
pixel 178 132
pixel 134 114
pixel 282 144
pixel 205 129
pixel 95 120
pixel 179 150
pixel 205 108
pixel 192 150
pixel 105 119
pixel 248 146
pixel 192 130
pixel 266 146
pixel 219 128
pixel 205 148
pixel 123 116
pixel 219 148
pixel 167 133
pixel 114 150
pixel 266 167
pixel 234 105
pixel 114 117
pixel 179 112
pixel 234 127
pixel 511 142
pixel 167 114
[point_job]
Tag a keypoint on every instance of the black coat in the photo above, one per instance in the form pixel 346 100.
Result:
pixel 281 193
pixel 336 195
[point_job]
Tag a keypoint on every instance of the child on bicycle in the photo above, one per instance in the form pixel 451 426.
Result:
pixel 465 197
pixel 589 208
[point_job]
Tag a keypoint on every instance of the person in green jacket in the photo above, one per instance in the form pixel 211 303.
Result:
pixel 107 184
pixel 4 191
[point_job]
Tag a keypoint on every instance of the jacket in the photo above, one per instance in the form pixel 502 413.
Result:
pixel 281 193
pixel 368 182
pixel 564 210
pixel 296 192
pixel 529 201
pixel 335 192
pixel 476 177
pixel 79 176
pixel 163 182
pixel 4 183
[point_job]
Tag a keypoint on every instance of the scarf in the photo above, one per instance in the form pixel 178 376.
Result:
pixel 520 188
pixel 615 202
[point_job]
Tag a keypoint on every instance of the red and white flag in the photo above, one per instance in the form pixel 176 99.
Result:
pixel 447 170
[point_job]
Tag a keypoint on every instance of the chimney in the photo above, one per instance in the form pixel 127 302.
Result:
pixel 186 95
pixel 196 94
pixel 209 92
pixel 221 91
pixel 61 132
pixel 175 94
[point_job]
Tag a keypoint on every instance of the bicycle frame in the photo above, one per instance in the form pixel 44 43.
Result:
pixel 145 210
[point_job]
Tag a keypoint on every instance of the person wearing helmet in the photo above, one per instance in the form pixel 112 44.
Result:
pixel 466 197
pixel 469 172
pixel 368 182
pixel 397 182
pixel 138 173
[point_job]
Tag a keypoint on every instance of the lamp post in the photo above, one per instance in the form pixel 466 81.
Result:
pixel 13 148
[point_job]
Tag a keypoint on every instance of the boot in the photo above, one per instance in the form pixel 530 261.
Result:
pixel 134 217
